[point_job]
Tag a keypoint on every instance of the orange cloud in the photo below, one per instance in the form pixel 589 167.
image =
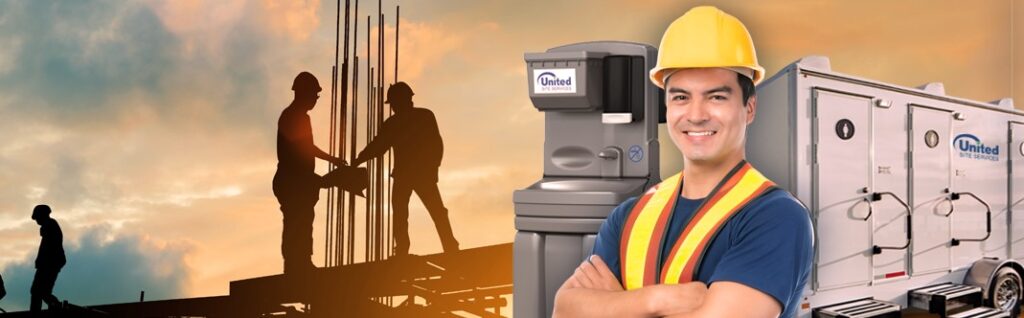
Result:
pixel 423 45
pixel 201 25
pixel 295 20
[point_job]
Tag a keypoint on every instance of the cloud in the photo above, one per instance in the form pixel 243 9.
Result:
pixel 105 268
pixel 424 46
pixel 137 115
pixel 201 26
pixel 294 19
pixel 73 55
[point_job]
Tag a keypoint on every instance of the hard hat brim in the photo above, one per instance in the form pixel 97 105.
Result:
pixel 657 75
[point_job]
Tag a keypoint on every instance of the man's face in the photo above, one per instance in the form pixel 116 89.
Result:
pixel 400 104
pixel 311 98
pixel 306 99
pixel 38 217
pixel 706 116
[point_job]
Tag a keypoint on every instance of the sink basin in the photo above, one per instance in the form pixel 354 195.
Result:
pixel 585 191
pixel 585 185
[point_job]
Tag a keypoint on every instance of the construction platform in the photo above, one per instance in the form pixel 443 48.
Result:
pixel 467 283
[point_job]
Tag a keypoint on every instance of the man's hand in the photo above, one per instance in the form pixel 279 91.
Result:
pixel 360 159
pixel 338 161
pixel 594 274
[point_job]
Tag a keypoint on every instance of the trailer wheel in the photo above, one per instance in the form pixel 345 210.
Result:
pixel 1005 291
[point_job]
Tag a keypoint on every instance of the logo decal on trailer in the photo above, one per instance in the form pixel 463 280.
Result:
pixel 971 147
pixel 1022 148
pixel 845 129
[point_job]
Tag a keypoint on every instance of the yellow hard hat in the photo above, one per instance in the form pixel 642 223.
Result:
pixel 706 37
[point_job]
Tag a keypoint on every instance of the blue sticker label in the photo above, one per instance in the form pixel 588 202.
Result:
pixel 636 153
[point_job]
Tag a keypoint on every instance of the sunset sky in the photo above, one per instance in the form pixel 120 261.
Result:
pixel 149 126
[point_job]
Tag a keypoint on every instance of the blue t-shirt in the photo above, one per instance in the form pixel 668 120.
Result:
pixel 768 245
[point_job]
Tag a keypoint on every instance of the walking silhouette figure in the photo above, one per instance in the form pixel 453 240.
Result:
pixel 49 260
pixel 296 185
pixel 3 292
pixel 413 134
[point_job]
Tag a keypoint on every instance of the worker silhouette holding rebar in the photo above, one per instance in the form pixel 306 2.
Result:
pixel 49 260
pixel 296 185
pixel 413 134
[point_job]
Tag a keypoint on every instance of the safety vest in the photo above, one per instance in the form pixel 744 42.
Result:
pixel 646 227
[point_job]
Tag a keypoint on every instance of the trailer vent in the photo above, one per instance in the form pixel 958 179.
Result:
pixel 817 62
pixel 1003 103
pixel 934 88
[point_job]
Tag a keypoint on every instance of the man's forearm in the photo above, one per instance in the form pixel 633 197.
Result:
pixel 586 302
pixel 321 154
pixel 650 301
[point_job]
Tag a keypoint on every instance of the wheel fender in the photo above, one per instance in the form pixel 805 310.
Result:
pixel 983 271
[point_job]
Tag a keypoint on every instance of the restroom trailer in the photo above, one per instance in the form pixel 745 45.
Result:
pixel 915 196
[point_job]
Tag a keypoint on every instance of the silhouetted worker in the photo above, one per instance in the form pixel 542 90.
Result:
pixel 3 292
pixel 296 185
pixel 412 133
pixel 49 261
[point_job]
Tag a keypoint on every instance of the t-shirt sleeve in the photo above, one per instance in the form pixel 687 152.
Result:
pixel 607 243
pixel 771 249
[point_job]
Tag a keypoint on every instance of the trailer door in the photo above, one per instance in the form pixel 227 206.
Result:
pixel 930 178
pixel 1016 190
pixel 890 179
pixel 842 171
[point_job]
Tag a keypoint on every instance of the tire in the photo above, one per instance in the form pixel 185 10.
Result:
pixel 1006 291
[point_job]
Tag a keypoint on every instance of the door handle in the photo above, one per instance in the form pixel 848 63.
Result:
pixel 988 216
pixel 877 196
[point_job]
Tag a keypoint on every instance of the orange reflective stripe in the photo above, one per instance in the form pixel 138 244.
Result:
pixel 716 194
pixel 690 271
pixel 643 232
pixel 691 246
pixel 646 226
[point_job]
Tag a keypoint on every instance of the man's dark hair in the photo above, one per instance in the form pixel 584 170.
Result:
pixel 747 86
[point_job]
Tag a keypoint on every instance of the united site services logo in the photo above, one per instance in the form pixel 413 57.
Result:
pixel 971 147
pixel 554 81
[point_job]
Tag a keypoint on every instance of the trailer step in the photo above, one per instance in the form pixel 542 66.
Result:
pixel 943 298
pixel 982 312
pixel 863 308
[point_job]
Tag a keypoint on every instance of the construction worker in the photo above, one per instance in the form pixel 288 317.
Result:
pixel 49 260
pixel 718 234
pixel 3 292
pixel 296 185
pixel 413 134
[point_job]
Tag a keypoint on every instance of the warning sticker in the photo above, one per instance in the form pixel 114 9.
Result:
pixel 636 153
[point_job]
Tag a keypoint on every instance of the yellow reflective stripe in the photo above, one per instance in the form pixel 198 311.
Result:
pixel 751 181
pixel 643 229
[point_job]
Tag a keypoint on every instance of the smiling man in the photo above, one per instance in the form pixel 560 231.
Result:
pixel 717 234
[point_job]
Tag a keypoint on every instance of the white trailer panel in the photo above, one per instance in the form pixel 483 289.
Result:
pixel 865 153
